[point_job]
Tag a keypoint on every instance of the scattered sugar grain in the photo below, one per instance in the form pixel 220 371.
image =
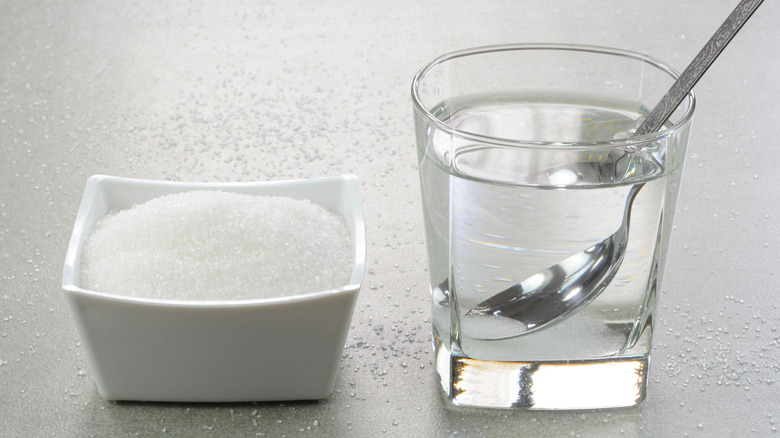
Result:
pixel 212 245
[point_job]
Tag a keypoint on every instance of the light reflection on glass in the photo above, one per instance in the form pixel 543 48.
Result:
pixel 563 385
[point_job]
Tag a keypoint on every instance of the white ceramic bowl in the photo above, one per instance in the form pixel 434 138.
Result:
pixel 286 348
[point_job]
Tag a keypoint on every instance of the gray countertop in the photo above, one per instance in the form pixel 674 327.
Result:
pixel 243 91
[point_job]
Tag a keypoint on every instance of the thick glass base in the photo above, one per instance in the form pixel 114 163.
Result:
pixel 584 384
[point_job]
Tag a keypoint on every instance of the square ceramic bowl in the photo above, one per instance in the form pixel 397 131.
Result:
pixel 286 348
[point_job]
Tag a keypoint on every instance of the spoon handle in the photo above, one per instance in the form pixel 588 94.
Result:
pixel 664 109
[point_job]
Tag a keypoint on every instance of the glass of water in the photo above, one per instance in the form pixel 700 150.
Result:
pixel 526 158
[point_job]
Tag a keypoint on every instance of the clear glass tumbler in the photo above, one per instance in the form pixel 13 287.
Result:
pixel 526 158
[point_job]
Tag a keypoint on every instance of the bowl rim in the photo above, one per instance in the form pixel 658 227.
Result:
pixel 357 215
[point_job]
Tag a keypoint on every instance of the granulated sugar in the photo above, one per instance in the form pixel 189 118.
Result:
pixel 210 245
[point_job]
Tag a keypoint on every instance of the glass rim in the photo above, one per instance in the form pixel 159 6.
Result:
pixel 638 141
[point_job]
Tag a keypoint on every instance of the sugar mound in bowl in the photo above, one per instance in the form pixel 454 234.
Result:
pixel 214 245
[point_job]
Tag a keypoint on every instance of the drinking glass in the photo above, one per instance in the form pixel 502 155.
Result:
pixel 526 157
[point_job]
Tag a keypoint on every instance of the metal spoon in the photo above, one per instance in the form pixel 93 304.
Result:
pixel 555 293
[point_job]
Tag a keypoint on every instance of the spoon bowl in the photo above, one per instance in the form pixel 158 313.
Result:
pixel 554 293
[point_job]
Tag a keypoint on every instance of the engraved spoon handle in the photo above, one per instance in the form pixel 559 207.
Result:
pixel 664 109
